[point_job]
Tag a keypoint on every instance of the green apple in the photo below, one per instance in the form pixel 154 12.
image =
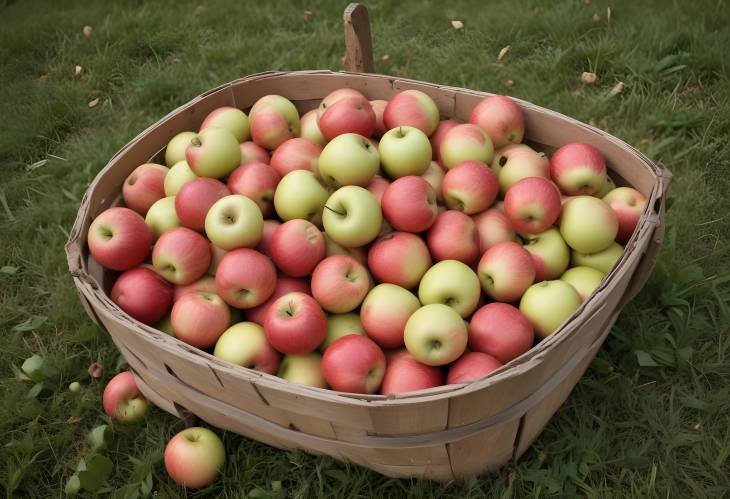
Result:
pixel 244 344
pixel 232 119
pixel 303 370
pixel 603 260
pixel 214 153
pixel 179 175
pixel 162 216
pixel 352 216
pixel 608 186
pixel 175 150
pixel 588 224
pixel 339 325
pixel 300 195
pixel 549 252
pixel 585 280
pixel 234 221
pixel 310 128
pixel 435 335
pixel 548 304
pixel 349 159
pixel 404 151
pixel 451 283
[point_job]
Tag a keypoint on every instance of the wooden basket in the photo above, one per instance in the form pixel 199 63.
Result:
pixel 442 433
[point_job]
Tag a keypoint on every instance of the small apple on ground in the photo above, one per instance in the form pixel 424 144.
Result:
pixel 399 258
pixel 182 256
pixel 232 119
pixel 303 370
pixel 175 150
pixel 384 314
pixel 122 400
pixel 245 344
pixel 245 278
pixel 199 318
pixel 213 152
pixel 548 304
pixel 119 239
pixel 194 457
pixel 472 366
pixel 295 324
pixel 500 330
pixel 435 335
pixel 505 271
pixel 340 283
pixel 354 364
pixel 585 280
pixel 144 186
pixel 142 294
pixel 451 283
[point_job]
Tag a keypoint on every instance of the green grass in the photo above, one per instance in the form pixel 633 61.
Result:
pixel 655 428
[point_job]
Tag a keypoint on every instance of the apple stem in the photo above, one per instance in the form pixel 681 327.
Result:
pixel 334 211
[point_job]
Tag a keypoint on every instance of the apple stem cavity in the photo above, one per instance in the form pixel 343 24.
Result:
pixel 195 142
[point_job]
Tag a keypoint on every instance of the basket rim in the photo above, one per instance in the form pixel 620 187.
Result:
pixel 641 238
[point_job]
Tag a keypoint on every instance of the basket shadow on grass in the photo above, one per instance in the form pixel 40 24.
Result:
pixel 650 417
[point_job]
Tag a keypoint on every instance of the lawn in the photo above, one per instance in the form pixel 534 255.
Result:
pixel 651 417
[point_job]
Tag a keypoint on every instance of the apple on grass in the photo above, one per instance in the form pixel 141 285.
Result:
pixel 194 457
pixel 548 304
pixel 471 187
pixel 199 318
pixel 340 283
pixel 348 115
pixel 500 118
pixel 384 314
pixel 300 195
pixel 585 280
pixel 352 216
pixel 549 253
pixel 232 119
pixel 303 370
pixel 532 205
pixel 181 256
pixel 177 176
pixel 519 162
pixel 245 344
pixel 274 120
pixel 295 324
pixel 119 239
pixel 296 154
pixel 284 285
pixel 310 128
pixel 256 181
pixel 434 175
pixel 205 284
pixel 297 247
pixel 162 216
pixel 412 108
pixel 404 373
pixel 175 150
pixel 603 260
pixel 251 152
pixel 453 236
pixel 578 169
pixel 628 204
pixel 331 248
pixel 435 335
pixel 500 330
pixel 339 325
pixel 451 283
pixel 492 228
pixel 144 186
pixel 505 271
pixel 409 204
pixel 245 278
pixel 463 143
pixel 438 136
pixel 404 151
pixel 234 221
pixel 349 159
pixel 142 294
pixel 195 198
pixel 379 108
pixel 472 366
pixel 122 400
pixel 399 258
pixel 213 152
pixel 354 364
pixel 588 225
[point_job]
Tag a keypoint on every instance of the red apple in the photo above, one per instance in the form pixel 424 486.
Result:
pixel 194 457
pixel 471 187
pixel 245 344
pixel 199 318
pixel 549 253
pixel 245 278
pixel 270 227
pixel 453 236
pixel 578 169
pixel 296 154
pixel 434 175
pixel 377 187
pixel 256 181
pixel 335 96
pixel 284 285
pixel 297 247
pixel 492 228
pixel 274 120
pixel 354 364
pixel 404 374
pixel 253 153
pixel 532 205
pixel 379 108
pixel 505 271
pixel 122 400
pixel 205 284
pixel 501 118
pixel 119 239
pixel 340 283
pixel 384 314
pixel 182 256
pixel 438 136
pixel 413 108
pixel 399 258
pixel 500 330
pixel 471 366
pixel 409 204
pixel 142 294
pixel 295 324
pixel 195 198
pixel 517 162
pixel 628 204
pixel 216 255
pixel 144 186
pixel 349 115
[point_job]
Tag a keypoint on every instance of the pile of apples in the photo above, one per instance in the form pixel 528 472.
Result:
pixel 368 246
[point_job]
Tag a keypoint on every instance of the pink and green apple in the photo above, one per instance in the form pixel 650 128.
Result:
pixel 384 314
pixel 230 118
pixel 274 120
pixel 213 153
pixel 435 335
pixel 348 159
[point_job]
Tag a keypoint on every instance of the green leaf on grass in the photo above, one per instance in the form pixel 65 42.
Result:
pixel 39 369
pixel 73 485
pixel 98 469
pixel 146 485
pixel 9 270
pixel 35 391
pixel 97 437
pixel 84 334
pixel 30 324
pixel 644 359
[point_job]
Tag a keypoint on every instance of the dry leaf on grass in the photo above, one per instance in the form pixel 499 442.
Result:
pixel 308 14
pixel 617 89
pixel 385 57
pixel 457 24
pixel 88 31
pixel 596 18
pixel 94 102
pixel 608 15
pixel 199 10
pixel 73 420
pixel 588 78
pixel 503 53
pixel 508 83
pixel 77 70
pixel 95 370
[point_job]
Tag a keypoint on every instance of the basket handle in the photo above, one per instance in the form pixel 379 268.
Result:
pixel 358 41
